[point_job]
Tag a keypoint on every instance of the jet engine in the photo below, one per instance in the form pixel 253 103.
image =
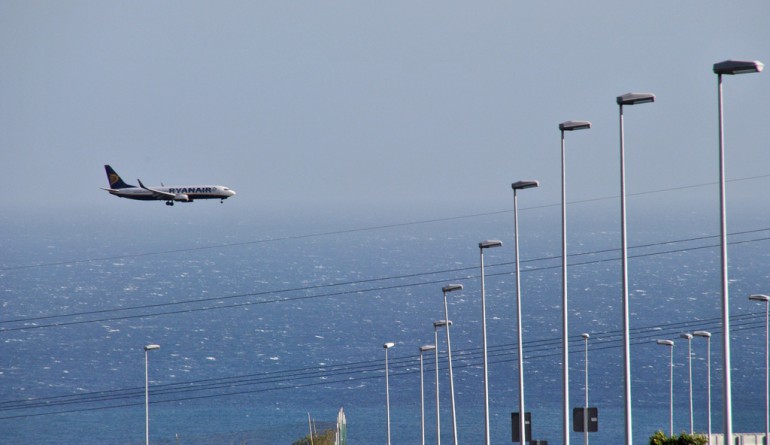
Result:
pixel 182 197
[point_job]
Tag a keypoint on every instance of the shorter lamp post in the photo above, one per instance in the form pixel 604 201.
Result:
pixel 446 289
pixel 486 245
pixel 147 349
pixel 585 336
pixel 765 299
pixel 688 337
pixel 425 348
pixel 436 325
pixel 516 186
pixel 707 336
pixel 670 344
pixel 387 388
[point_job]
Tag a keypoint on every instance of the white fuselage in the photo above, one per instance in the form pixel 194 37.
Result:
pixel 176 193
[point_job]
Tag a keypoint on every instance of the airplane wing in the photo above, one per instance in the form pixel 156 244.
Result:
pixel 157 193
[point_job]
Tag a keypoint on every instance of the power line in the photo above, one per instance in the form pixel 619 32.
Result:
pixel 29 322
pixel 355 230
pixel 352 372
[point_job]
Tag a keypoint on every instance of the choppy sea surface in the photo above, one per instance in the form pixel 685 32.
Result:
pixel 262 324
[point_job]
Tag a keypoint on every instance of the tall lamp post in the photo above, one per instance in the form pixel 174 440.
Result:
pixel 688 337
pixel 707 336
pixel 516 186
pixel 626 99
pixel 436 325
pixel 446 289
pixel 728 67
pixel 565 126
pixel 147 349
pixel 765 299
pixel 425 348
pixel 670 344
pixel 585 336
pixel 485 245
pixel 387 387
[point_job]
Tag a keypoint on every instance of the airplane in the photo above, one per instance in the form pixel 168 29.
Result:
pixel 184 193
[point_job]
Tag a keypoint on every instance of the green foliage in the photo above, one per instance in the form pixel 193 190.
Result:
pixel 325 438
pixel 659 438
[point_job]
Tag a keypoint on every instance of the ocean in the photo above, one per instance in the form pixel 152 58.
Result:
pixel 262 324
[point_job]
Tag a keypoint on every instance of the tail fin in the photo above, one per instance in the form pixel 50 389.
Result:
pixel 114 179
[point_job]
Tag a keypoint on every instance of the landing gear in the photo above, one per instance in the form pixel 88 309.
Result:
pixel 222 201
pixel 169 203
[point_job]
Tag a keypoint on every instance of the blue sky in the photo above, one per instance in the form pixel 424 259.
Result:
pixel 357 106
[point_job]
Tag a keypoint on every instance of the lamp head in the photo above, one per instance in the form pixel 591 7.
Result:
pixel 452 287
pixel 686 336
pixel 738 67
pixel 441 323
pixel 705 334
pixel 488 244
pixel 388 345
pixel 585 336
pixel 574 125
pixel 521 185
pixel 665 342
pixel 151 347
pixel 427 348
pixel 635 98
pixel 759 297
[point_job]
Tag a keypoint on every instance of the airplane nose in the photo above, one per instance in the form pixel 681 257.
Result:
pixel 231 192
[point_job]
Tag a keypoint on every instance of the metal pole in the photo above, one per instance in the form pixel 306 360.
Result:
pixel 387 387
pixel 438 410
pixel 624 263
pixel 422 402
pixel 147 349
pixel 146 400
pixel 310 428
pixel 422 387
pixel 522 412
pixel 585 410
pixel 688 337
pixel 766 299
pixel 707 336
pixel 484 347
pixel 708 381
pixel 564 309
pixel 670 344
pixel 767 373
pixel 726 385
pixel 671 393
pixel 565 126
pixel 451 376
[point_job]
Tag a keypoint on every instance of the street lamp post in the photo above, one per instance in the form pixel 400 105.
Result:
pixel 728 67
pixel 387 388
pixel 626 99
pixel 585 336
pixel 670 344
pixel 422 391
pixel 446 289
pixel 565 126
pixel 688 337
pixel 436 325
pixel 766 299
pixel 485 245
pixel 707 336
pixel 147 349
pixel 516 186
